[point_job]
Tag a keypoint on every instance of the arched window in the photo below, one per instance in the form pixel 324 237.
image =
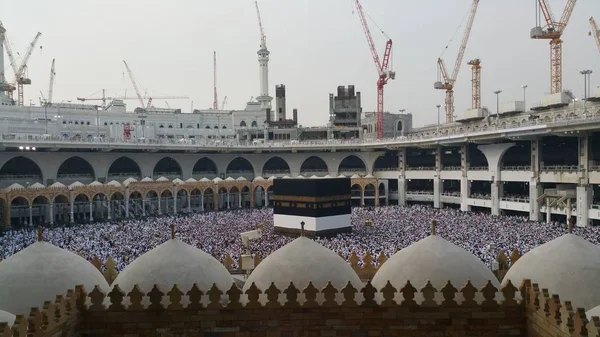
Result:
pixel 254 124
pixel 399 126
pixel 243 124
pixel 207 127
pixel 216 126
pixel 224 126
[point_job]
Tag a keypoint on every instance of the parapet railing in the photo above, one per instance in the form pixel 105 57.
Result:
pixel 563 168
pixel 516 168
pixel 478 168
pixel 451 168
pixel 515 199
pixel 451 194
pixel 481 196
pixel 384 169
pixel 420 192
pixel 420 168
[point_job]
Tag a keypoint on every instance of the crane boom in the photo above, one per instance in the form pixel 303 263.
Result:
pixel 263 38
pixel 448 81
pixel 51 85
pixel 215 98
pixel 595 31
pixel 27 56
pixel 465 39
pixel 83 99
pixel 10 54
pixel 135 87
pixel 367 31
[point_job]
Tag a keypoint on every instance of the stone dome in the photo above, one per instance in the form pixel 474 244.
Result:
pixel 7 317
pixel 568 266
pixel 302 261
pixel 595 312
pixel 437 260
pixel 174 262
pixel 40 272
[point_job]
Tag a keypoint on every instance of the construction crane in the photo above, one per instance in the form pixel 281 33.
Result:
pixel 476 83
pixel 51 84
pixel 224 103
pixel 446 82
pixel 553 31
pixel 215 99
pixel 124 98
pixel 383 71
pixel 135 87
pixel 20 76
pixel 595 31
pixel 4 85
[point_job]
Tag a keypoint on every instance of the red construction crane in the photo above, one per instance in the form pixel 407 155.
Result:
pixel 553 32
pixel 447 82
pixel 383 71
pixel 215 99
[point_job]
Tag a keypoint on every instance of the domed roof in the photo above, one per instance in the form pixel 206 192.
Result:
pixel 174 262
pixel 302 261
pixel 7 317
pixel 40 272
pixel 568 266
pixel 595 312
pixel 437 260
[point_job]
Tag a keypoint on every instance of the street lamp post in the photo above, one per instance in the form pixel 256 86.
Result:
pixel 497 92
pixel 586 79
pixel 438 119
pixel 524 86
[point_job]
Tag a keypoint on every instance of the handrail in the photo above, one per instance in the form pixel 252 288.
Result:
pixel 516 168
pixel 420 192
pixel 568 168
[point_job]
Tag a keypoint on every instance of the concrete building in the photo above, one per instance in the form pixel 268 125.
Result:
pixel 396 125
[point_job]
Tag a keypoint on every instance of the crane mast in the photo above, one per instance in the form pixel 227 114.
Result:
pixel 447 82
pixel 476 83
pixel 382 66
pixel 215 98
pixel 51 85
pixel 595 32
pixel 135 87
pixel 553 31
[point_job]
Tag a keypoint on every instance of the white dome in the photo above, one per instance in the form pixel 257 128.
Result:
pixel 229 179
pixel 174 262
pixel 146 180
pixel 36 186
pixel 259 178
pixel 437 260
pixel 355 176
pixel 192 180
pixel 58 185
pixel 177 181
pixel 14 186
pixel 129 181
pixel 7 317
pixel 114 183
pixel 95 183
pixel 40 272
pixel 161 179
pixel 76 184
pixel 302 261
pixel 204 179
pixel 241 179
pixel 568 266
pixel 593 313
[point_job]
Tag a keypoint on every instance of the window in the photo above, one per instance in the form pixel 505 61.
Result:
pixel 224 126
pixel 161 126
pixel 243 124
pixel 254 124
pixel 207 127
pixel 216 126
pixel 399 126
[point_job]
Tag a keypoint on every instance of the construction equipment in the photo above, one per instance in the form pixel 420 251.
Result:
pixel 224 103
pixel 21 72
pixel 476 83
pixel 446 82
pixel 4 85
pixel 215 99
pixel 51 84
pixel 383 71
pixel 553 31
pixel 135 87
pixel 263 38
pixel 595 31
pixel 124 98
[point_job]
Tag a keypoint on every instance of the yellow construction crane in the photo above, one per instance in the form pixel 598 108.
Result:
pixel 445 81
pixel 595 31
pixel 476 83
pixel 553 31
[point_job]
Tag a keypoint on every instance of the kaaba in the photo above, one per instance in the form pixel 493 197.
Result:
pixel 323 204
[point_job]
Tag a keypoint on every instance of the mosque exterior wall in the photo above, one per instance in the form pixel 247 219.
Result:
pixel 341 312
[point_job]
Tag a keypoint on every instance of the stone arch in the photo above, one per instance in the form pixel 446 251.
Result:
pixel 60 199
pixel 76 167
pixel 135 195
pixel 387 161
pixel 117 196
pixel 123 168
pixel 20 166
pixel 99 196
pixel 275 165
pixel 204 167
pixel 19 211
pixel 314 164
pixel 518 155
pixel 239 166
pixel 167 167
pixel 353 164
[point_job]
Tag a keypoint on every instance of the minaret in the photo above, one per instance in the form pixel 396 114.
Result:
pixel 263 62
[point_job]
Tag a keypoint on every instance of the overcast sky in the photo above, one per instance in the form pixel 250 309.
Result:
pixel 315 46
